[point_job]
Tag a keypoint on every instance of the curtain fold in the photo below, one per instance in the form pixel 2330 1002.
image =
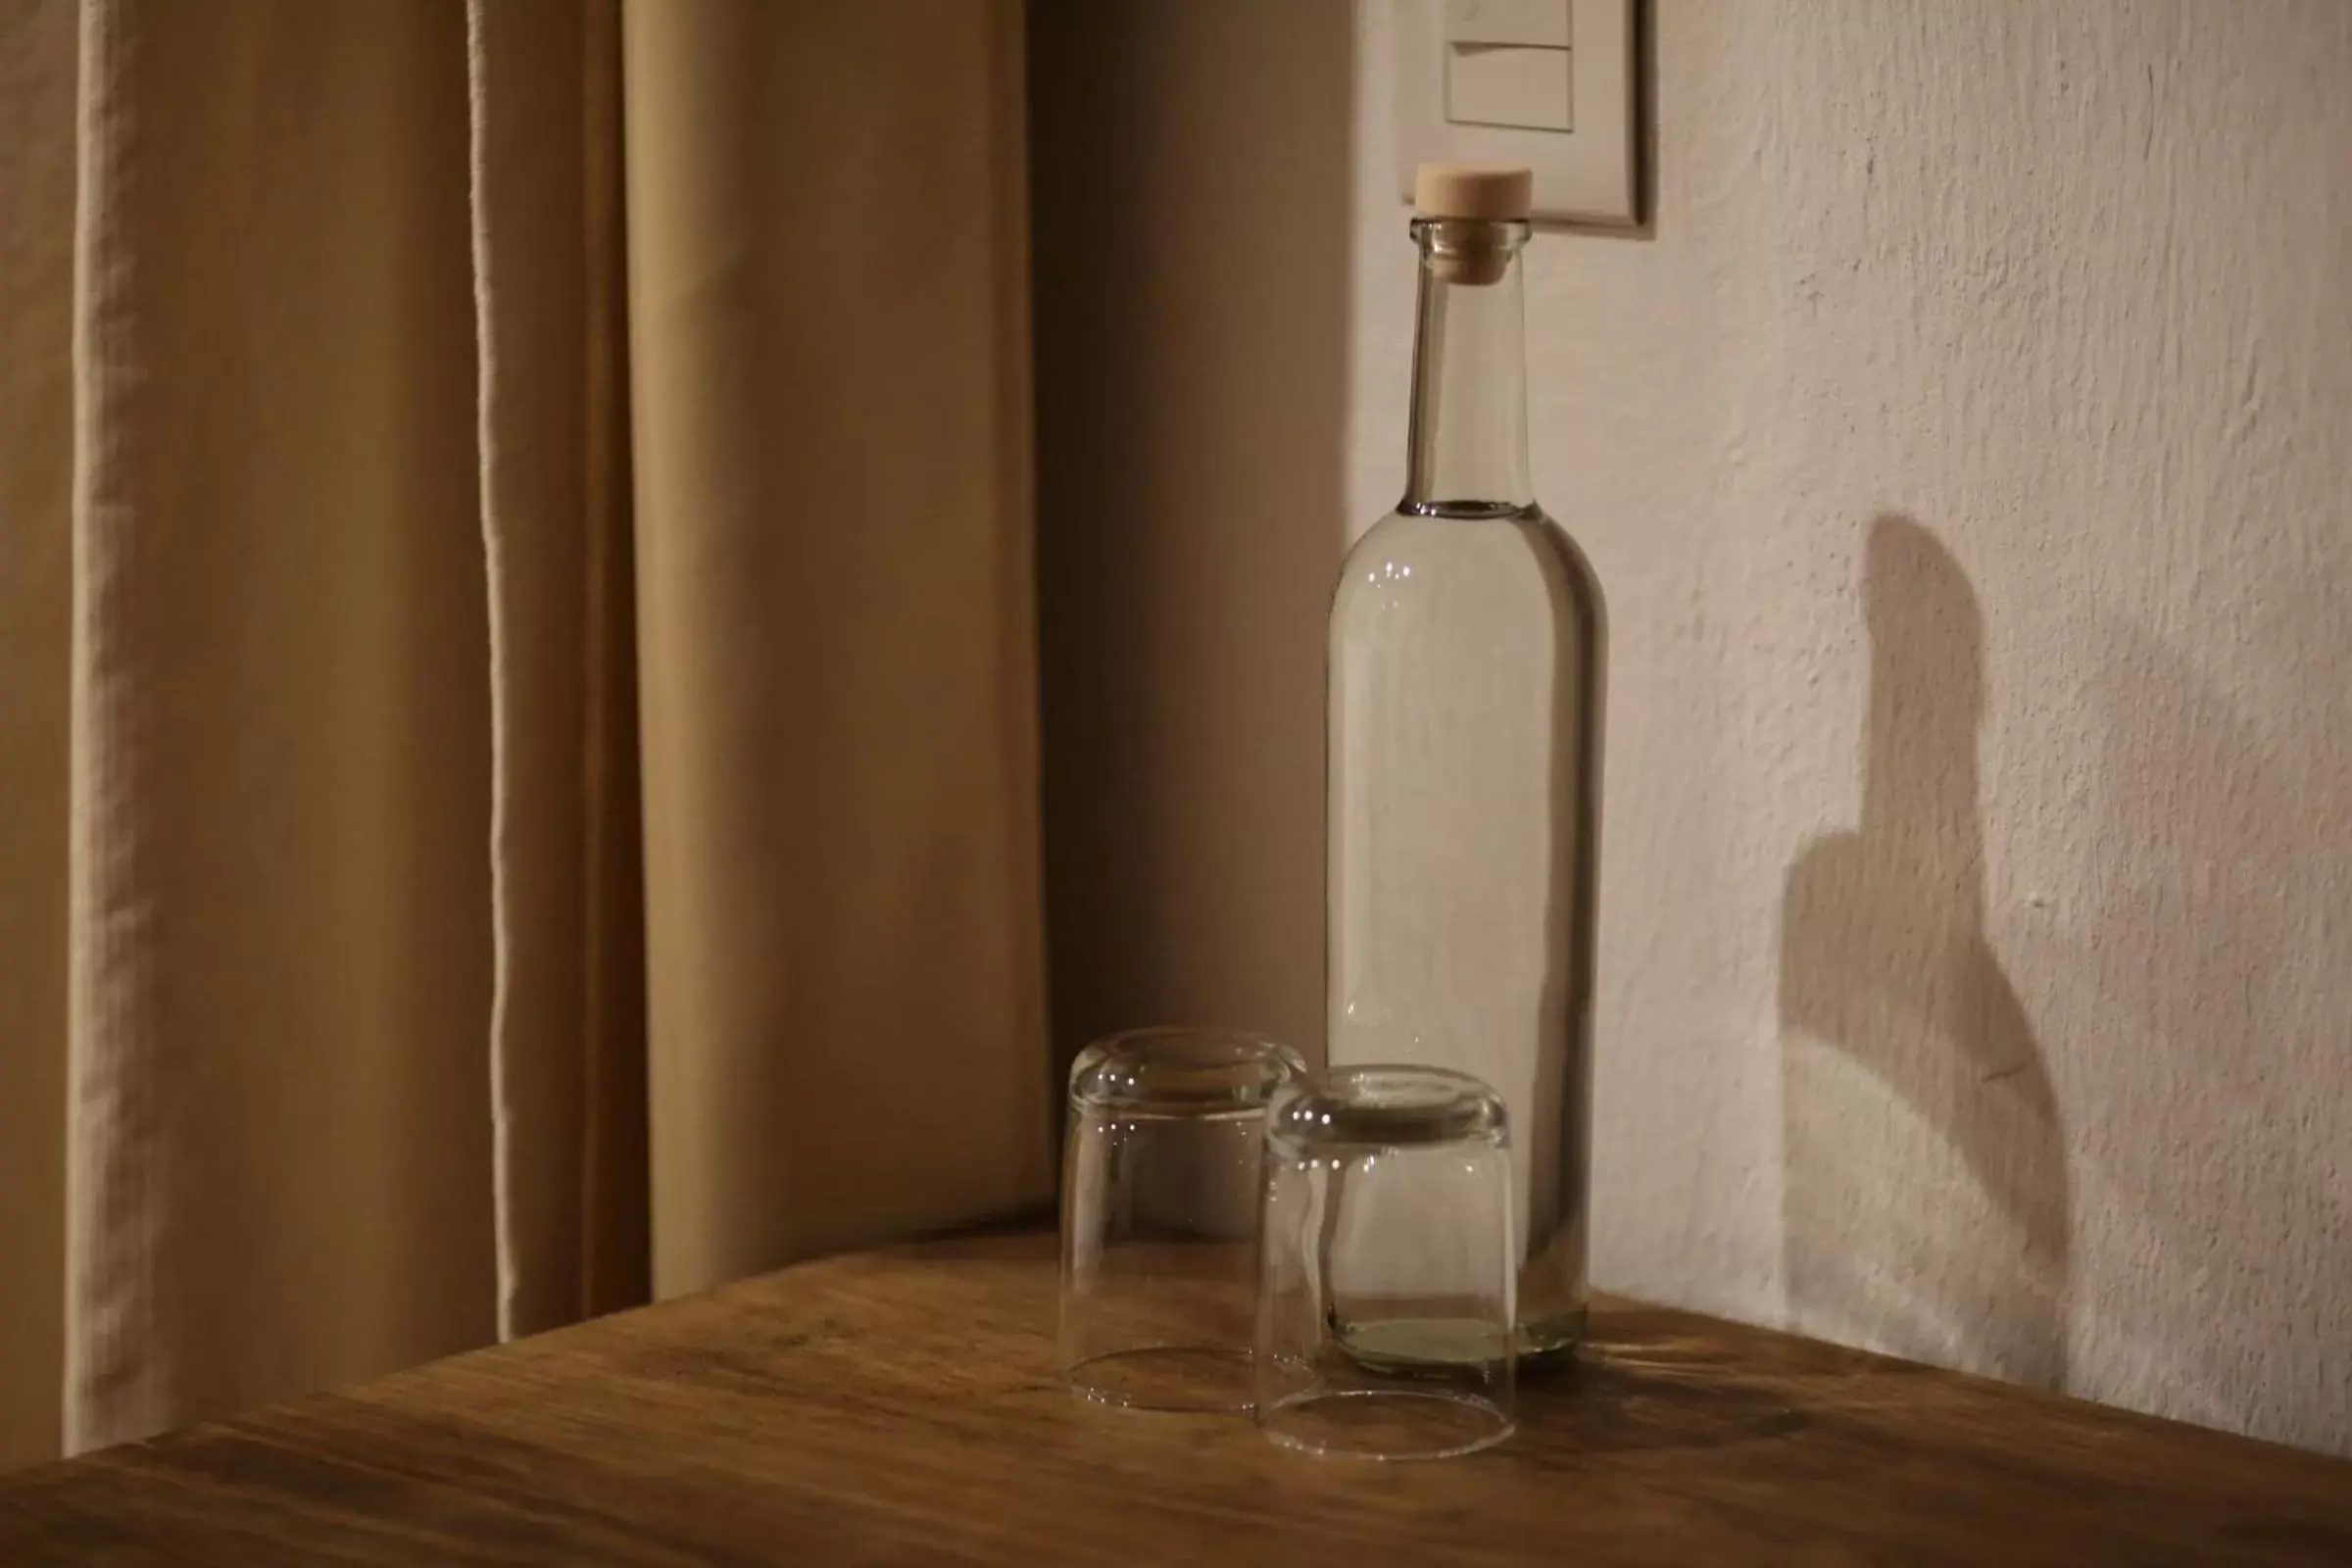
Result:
pixel 567 1028
pixel 279 909
pixel 516 673
pixel 39 56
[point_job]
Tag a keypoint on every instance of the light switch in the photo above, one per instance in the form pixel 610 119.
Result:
pixel 1531 23
pixel 1505 84
pixel 1547 83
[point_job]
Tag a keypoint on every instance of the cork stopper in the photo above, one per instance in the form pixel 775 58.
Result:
pixel 1460 199
pixel 1495 192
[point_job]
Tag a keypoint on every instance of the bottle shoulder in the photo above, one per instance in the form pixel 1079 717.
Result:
pixel 1405 548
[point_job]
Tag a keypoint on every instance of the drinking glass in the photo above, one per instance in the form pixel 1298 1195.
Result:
pixel 1161 1212
pixel 1389 1266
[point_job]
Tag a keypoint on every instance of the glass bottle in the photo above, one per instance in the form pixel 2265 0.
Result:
pixel 1467 643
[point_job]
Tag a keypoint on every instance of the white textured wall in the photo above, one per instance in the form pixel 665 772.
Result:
pixel 1968 460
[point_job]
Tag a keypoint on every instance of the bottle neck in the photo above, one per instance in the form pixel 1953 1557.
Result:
pixel 1468 449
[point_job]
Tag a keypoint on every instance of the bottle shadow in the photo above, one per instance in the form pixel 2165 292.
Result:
pixel 1925 1201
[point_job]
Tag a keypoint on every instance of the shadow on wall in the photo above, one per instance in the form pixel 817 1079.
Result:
pixel 1925 1204
pixel 1192 167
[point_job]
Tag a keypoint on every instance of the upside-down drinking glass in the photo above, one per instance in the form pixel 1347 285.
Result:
pixel 1161 1212
pixel 1389 1266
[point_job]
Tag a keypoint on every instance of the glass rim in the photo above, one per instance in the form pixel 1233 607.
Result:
pixel 1494 1423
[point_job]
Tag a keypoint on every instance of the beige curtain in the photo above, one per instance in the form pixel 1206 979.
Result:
pixel 516 780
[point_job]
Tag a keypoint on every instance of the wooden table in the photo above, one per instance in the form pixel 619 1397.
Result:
pixel 902 1405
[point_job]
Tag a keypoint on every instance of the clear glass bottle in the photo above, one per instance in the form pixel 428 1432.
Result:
pixel 1467 643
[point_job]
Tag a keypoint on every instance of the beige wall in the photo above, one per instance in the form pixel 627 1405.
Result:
pixel 1191 185
pixel 1965 456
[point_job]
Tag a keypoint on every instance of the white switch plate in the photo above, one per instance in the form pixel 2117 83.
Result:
pixel 1584 173
pixel 1490 85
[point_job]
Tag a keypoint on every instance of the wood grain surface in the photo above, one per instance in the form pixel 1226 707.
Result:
pixel 902 1406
